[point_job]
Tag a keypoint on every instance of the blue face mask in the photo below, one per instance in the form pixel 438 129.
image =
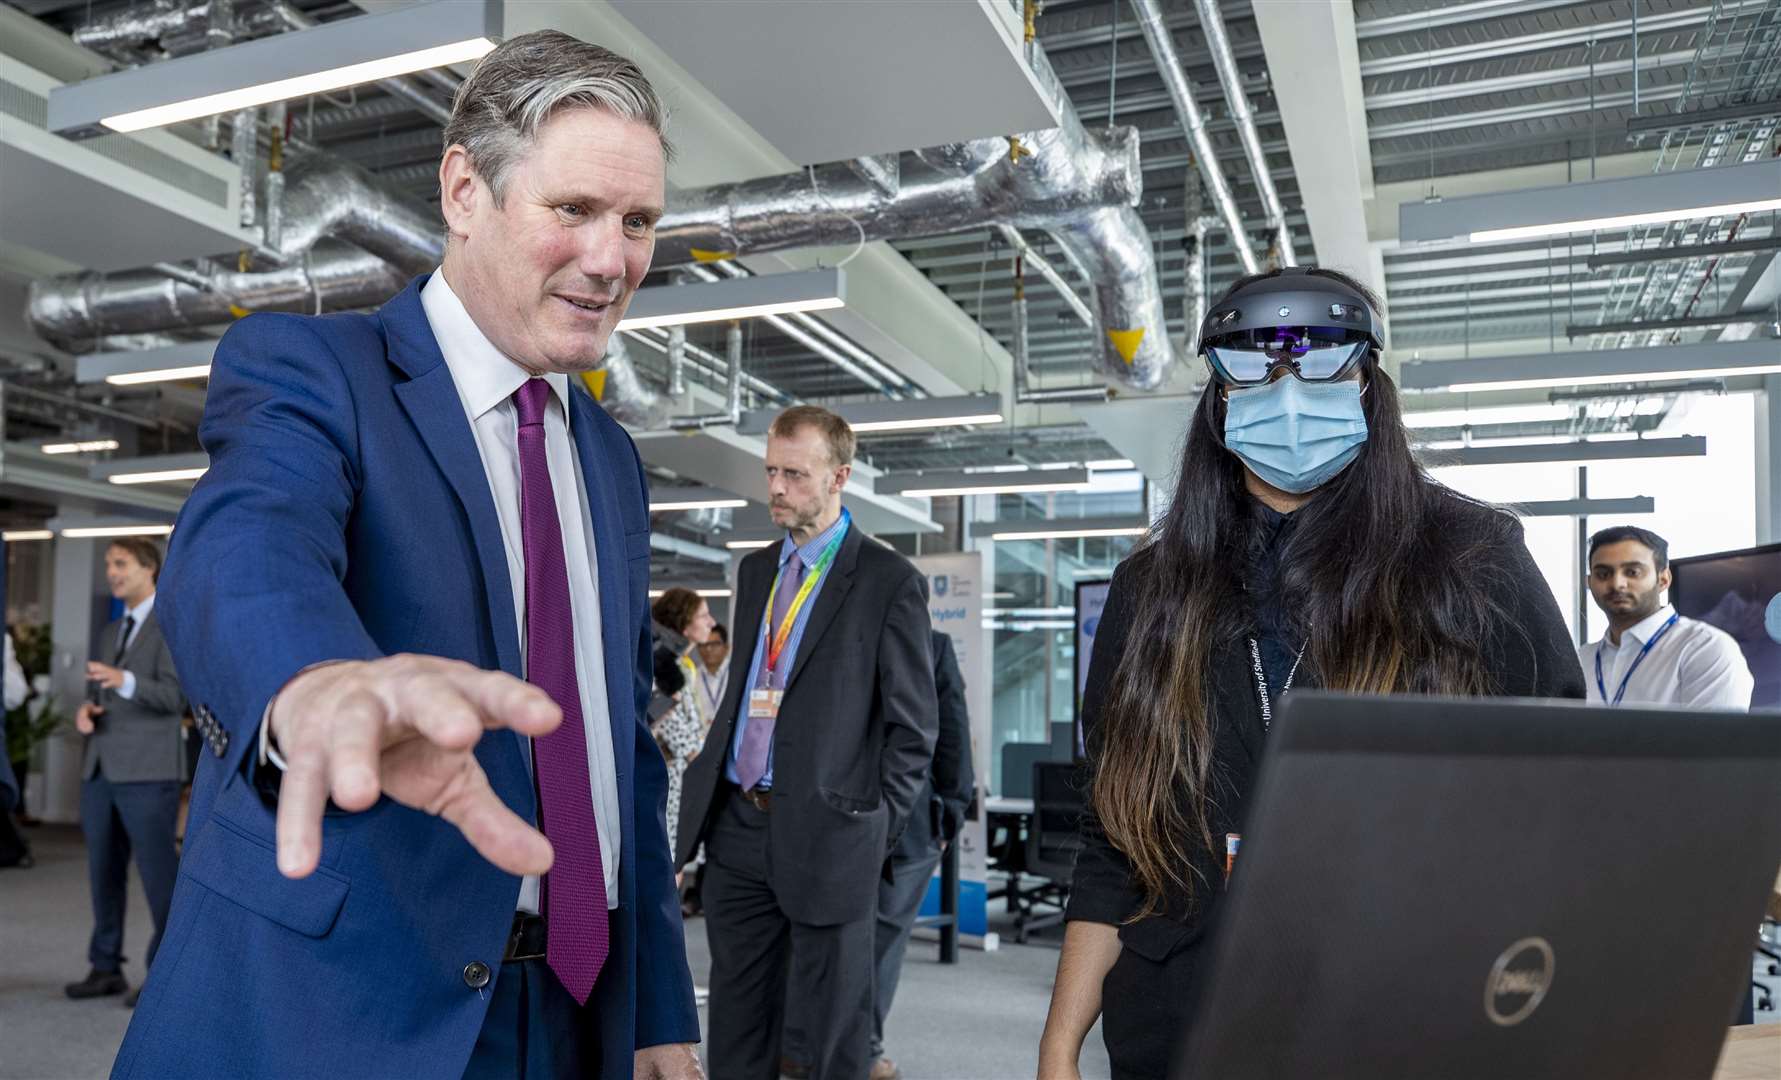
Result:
pixel 1294 434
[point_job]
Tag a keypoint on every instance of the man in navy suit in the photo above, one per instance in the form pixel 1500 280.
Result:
pixel 409 604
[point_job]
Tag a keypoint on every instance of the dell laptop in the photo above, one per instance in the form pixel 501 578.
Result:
pixel 1491 889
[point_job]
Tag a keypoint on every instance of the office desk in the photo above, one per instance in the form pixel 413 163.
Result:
pixel 1752 1052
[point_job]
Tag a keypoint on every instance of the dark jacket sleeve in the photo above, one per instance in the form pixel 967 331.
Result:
pixel 906 702
pixel 954 778
pixel 1531 653
pixel 157 683
pixel 1101 890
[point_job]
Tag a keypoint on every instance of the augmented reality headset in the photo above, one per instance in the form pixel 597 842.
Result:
pixel 1314 326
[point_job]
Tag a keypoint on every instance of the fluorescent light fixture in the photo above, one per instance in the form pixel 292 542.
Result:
pixel 160 469
pixel 1569 452
pixel 747 545
pixel 188 361
pixel 102 531
pixel 1595 205
pixel 196 371
pixel 1111 465
pixel 711 594
pixel 1070 529
pixel 1487 416
pixel 163 476
pixel 1637 504
pixel 869 417
pixel 91 446
pixel 1029 612
pixel 1597 367
pixel 1622 221
pixel 13 536
pixel 736 298
pixel 962 483
pixel 334 55
pixel 693 498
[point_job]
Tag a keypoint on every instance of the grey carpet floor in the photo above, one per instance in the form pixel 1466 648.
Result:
pixel 979 1020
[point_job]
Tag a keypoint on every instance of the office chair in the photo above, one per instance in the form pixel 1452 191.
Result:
pixel 1052 843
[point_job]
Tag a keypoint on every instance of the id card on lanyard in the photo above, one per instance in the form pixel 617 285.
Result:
pixel 1602 687
pixel 763 701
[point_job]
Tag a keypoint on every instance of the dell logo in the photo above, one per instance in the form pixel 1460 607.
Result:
pixel 1518 981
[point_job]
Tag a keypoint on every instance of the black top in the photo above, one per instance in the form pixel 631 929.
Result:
pixel 1537 661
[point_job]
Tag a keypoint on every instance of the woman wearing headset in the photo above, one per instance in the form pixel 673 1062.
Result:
pixel 1304 546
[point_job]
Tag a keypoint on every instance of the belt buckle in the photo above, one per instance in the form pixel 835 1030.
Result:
pixel 515 943
pixel 760 800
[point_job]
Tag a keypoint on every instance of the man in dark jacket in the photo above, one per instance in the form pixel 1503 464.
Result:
pixel 939 813
pixel 813 767
pixel 131 775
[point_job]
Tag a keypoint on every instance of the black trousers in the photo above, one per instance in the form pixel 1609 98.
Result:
pixel 534 1030
pixel 756 948
pixel 899 901
pixel 118 820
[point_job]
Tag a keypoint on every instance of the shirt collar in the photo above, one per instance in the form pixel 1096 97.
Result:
pixel 812 551
pixel 484 376
pixel 140 611
pixel 1649 626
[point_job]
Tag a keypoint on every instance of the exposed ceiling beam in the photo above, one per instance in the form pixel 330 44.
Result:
pixel 1324 114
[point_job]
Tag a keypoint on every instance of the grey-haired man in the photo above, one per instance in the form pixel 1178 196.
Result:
pixel 410 605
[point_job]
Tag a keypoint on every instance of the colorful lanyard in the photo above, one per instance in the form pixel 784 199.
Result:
pixel 1261 680
pixel 776 646
pixel 1602 687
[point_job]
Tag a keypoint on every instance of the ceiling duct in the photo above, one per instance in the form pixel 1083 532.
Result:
pixel 75 311
pixel 1079 185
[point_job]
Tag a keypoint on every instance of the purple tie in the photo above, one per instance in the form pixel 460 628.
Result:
pixel 575 889
pixel 757 738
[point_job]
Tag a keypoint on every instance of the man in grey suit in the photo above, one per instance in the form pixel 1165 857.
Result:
pixel 129 794
pixel 812 768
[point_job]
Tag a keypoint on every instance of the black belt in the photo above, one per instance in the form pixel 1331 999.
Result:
pixel 759 798
pixel 526 942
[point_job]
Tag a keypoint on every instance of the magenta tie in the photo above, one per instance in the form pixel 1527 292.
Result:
pixel 575 889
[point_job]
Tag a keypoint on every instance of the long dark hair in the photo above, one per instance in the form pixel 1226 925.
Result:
pixel 1386 573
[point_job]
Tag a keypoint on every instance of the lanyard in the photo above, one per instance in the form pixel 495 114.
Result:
pixel 710 690
pixel 776 645
pixel 1261 680
pixel 1637 660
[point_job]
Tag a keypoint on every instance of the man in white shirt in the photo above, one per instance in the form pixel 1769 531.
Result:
pixel 131 768
pixel 1651 654
pixel 714 670
pixel 409 600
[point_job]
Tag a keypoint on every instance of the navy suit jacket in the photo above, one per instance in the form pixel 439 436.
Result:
pixel 346 513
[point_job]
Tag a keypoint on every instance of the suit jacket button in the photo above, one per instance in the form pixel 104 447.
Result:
pixel 476 974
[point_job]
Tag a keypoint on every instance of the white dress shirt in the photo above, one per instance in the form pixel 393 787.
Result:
pixel 17 687
pixel 486 381
pixel 1694 665
pixel 711 688
pixel 139 613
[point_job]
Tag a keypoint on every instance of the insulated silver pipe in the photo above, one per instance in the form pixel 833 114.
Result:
pixel 1218 43
pixel 1049 272
pixel 1168 62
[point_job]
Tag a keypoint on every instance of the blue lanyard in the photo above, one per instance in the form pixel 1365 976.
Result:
pixel 1637 660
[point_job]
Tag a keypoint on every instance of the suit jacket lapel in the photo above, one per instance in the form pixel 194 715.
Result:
pixel 618 627
pixel 828 602
pixel 431 400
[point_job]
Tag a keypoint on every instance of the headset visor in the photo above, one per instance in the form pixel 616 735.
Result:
pixel 1313 353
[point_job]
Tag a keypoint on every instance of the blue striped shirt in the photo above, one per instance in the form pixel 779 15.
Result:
pixel 757 671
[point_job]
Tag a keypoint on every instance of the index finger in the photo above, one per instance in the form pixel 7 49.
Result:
pixel 504 701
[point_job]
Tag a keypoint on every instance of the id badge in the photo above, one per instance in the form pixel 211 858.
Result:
pixel 1232 841
pixel 764 704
